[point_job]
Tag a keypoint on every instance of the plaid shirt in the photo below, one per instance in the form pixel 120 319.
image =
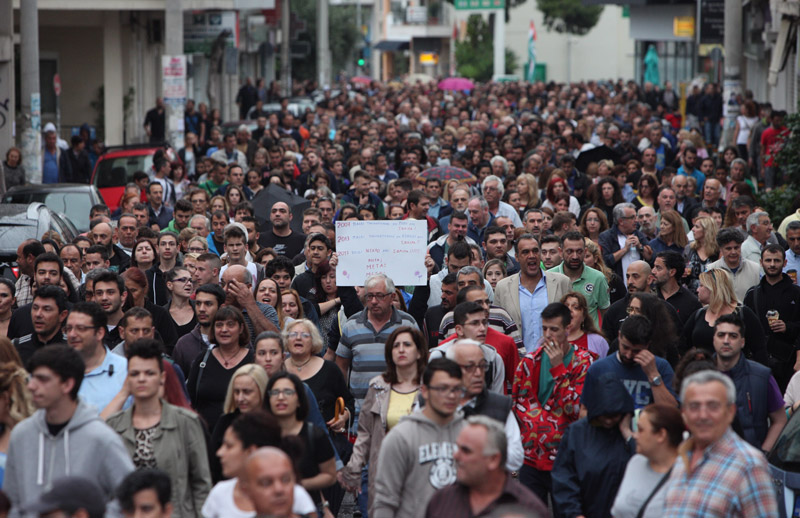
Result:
pixel 732 479
pixel 24 292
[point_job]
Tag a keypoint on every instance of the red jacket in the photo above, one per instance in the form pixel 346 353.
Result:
pixel 542 426
pixel 505 347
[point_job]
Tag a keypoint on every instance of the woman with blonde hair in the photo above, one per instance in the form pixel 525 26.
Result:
pixel 528 191
pixel 16 404
pixel 670 235
pixel 719 298
pixel 246 392
pixel 700 252
pixel 593 258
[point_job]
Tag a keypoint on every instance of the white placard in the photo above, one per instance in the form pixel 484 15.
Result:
pixel 394 248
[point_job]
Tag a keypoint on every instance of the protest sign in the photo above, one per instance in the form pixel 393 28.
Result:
pixel 394 248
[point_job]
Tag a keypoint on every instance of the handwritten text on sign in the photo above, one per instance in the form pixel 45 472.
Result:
pixel 394 248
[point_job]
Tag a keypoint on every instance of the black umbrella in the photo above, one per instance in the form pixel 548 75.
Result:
pixel 266 198
pixel 595 155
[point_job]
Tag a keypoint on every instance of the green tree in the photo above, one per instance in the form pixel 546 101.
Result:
pixel 475 55
pixel 345 37
pixel 569 15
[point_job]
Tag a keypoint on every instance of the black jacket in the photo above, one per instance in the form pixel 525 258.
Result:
pixel 591 459
pixel 785 298
pixel 609 244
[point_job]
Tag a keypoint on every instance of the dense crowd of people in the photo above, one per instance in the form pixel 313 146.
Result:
pixel 609 325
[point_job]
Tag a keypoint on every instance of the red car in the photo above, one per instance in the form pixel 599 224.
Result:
pixel 114 169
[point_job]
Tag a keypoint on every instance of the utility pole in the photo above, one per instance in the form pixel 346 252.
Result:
pixel 323 45
pixel 29 85
pixel 7 101
pixel 499 43
pixel 173 79
pixel 732 78
pixel 286 60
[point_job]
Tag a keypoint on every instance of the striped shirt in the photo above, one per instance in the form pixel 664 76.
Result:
pixel 499 320
pixel 732 479
pixel 363 346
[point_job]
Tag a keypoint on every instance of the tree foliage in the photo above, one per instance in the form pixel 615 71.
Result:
pixel 475 55
pixel 781 201
pixel 345 37
pixel 569 16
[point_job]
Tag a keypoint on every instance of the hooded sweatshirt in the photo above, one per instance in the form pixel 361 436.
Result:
pixel 591 459
pixel 85 447
pixel 416 460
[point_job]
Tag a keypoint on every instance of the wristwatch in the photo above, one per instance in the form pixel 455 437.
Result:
pixel 656 381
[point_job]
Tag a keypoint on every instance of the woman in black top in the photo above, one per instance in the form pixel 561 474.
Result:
pixel 213 369
pixel 287 402
pixel 180 306
pixel 716 290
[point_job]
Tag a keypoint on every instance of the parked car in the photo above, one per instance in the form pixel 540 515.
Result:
pixel 784 464
pixel 71 199
pixel 115 168
pixel 19 222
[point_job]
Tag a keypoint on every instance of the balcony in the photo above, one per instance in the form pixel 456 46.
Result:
pixel 432 19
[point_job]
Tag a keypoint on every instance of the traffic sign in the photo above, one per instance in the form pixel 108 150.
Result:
pixel 57 84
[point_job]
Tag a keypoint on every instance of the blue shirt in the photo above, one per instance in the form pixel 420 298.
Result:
pixel 792 263
pixel 101 385
pixel 50 167
pixel 700 177
pixel 531 306
pixel 633 377
pixel 434 209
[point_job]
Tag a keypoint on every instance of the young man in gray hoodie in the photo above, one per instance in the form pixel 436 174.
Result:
pixel 64 437
pixel 416 457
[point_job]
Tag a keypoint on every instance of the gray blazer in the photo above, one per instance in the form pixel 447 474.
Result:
pixel 506 294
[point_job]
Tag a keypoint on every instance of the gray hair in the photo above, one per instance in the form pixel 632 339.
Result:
pixel 740 161
pixel 708 376
pixel 380 277
pixel 481 199
pixel 753 218
pixel 619 210
pixel 793 225
pixel 502 160
pixel 470 270
pixel 496 441
pixel 493 178
pixel 205 220
pixel 316 338
pixel 459 344
pixel 91 275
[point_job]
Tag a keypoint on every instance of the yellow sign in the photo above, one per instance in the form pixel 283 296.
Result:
pixel 429 58
pixel 683 26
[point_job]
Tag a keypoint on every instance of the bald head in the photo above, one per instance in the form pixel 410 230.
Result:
pixel 102 234
pixel 637 277
pixel 269 480
pixel 464 349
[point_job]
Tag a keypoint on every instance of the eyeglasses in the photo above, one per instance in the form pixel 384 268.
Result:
pixel 378 296
pixel 282 392
pixel 295 334
pixel 449 391
pixel 79 328
pixel 196 250
pixel 182 280
pixel 470 367
pixel 633 311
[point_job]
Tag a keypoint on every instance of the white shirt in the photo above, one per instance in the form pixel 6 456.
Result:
pixel 627 259
pixel 220 504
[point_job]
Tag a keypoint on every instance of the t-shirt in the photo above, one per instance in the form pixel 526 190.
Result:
pixel 633 377
pixel 289 246
pixel 318 449
pixel 637 484
pixel 400 405
pixel 220 503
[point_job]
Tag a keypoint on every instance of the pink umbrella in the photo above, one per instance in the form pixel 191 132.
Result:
pixel 362 79
pixel 456 83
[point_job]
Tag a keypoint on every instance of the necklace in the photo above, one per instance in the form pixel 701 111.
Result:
pixel 226 360
pixel 300 367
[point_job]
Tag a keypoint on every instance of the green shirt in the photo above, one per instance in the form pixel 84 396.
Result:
pixel 591 284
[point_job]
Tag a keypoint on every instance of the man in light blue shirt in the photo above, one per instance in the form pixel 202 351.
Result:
pixel 105 372
pixel 793 254
pixel 531 306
